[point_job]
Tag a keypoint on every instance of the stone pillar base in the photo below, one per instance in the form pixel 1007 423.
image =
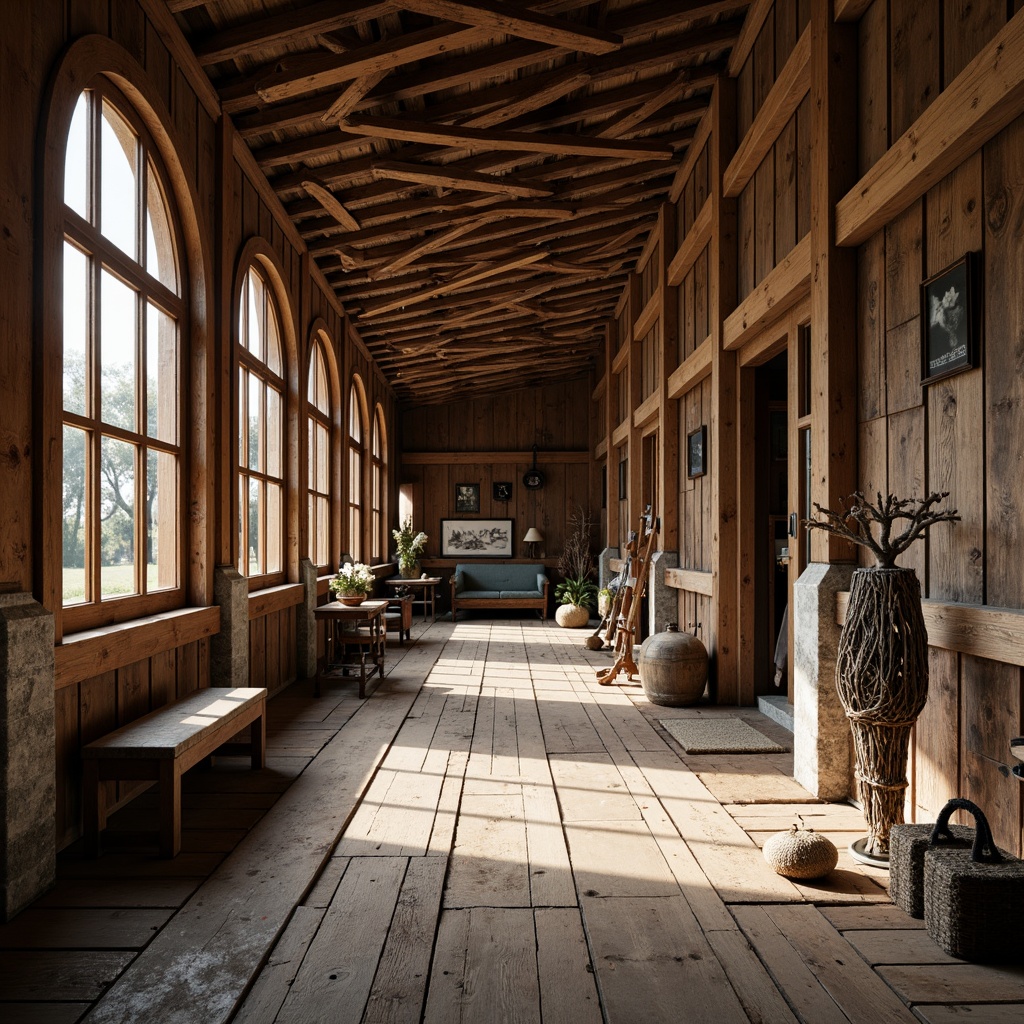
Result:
pixel 822 760
pixel 229 649
pixel 305 623
pixel 28 796
pixel 662 600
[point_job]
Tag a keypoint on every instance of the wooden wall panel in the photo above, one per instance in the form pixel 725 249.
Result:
pixel 873 68
pixel 914 57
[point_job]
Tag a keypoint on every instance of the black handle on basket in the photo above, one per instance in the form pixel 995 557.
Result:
pixel 984 850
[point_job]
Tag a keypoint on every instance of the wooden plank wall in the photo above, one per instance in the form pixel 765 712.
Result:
pixel 773 209
pixel 229 212
pixel 963 434
pixel 556 418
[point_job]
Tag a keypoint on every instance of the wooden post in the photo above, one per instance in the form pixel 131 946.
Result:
pixel 668 446
pixel 834 273
pixel 225 413
pixel 611 404
pixel 633 374
pixel 724 395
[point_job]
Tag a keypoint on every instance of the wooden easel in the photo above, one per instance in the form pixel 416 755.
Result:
pixel 638 562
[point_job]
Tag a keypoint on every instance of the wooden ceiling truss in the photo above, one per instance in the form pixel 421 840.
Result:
pixel 475 178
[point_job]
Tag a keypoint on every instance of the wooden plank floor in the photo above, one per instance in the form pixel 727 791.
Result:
pixel 490 837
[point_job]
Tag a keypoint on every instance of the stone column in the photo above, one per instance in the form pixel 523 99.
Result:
pixel 822 760
pixel 229 649
pixel 305 623
pixel 604 569
pixel 662 600
pixel 28 796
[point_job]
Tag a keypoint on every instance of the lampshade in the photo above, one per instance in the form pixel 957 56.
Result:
pixel 533 536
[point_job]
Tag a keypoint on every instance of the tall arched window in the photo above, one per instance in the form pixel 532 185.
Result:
pixel 379 464
pixel 356 433
pixel 319 468
pixel 124 315
pixel 261 391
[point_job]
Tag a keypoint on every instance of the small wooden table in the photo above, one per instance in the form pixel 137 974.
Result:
pixel 424 591
pixel 353 641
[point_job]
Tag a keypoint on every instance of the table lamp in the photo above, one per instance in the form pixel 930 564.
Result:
pixel 531 540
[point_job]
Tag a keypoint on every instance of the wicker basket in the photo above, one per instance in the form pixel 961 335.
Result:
pixel 800 853
pixel 973 899
pixel 907 844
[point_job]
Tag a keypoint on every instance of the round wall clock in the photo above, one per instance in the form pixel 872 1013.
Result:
pixel 533 478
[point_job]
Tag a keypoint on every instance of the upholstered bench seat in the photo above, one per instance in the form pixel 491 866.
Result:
pixel 503 585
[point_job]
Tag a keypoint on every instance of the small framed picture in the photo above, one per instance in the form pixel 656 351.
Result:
pixel 949 341
pixel 623 480
pixel 697 452
pixel 501 490
pixel 467 498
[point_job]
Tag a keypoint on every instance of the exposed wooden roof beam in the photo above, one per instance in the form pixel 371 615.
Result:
pixel 479 273
pixel 664 14
pixel 502 17
pixel 427 175
pixel 323 195
pixel 620 125
pixel 351 96
pixel 531 98
pixel 286 26
pixel 472 138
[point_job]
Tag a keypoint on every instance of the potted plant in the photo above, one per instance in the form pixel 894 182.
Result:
pixel 604 601
pixel 409 546
pixel 577 593
pixel 882 660
pixel 352 582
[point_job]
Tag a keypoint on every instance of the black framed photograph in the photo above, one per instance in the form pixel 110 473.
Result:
pixel 501 490
pixel 697 452
pixel 949 341
pixel 476 538
pixel 467 497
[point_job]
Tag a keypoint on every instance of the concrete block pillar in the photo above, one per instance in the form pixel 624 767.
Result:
pixel 229 649
pixel 822 760
pixel 604 568
pixel 662 600
pixel 305 623
pixel 28 795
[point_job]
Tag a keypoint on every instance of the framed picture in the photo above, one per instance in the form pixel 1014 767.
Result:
pixel 697 452
pixel 948 335
pixel 476 538
pixel 467 497
pixel 502 490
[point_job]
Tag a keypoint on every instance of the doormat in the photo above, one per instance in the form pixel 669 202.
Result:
pixel 719 736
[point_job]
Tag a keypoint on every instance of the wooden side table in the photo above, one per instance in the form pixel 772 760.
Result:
pixel 353 641
pixel 399 616
pixel 424 591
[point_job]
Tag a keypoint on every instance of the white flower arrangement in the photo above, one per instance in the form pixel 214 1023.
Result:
pixel 352 578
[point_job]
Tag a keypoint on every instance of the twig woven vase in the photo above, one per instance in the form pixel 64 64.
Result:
pixel 800 853
pixel 882 680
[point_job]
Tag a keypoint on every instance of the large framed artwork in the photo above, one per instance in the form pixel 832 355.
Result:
pixel 476 538
pixel 949 339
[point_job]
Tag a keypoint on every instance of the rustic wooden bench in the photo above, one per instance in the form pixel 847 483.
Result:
pixel 162 746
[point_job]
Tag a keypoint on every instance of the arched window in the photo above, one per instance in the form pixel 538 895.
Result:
pixel 124 317
pixel 261 426
pixel 356 432
pixel 319 469
pixel 380 464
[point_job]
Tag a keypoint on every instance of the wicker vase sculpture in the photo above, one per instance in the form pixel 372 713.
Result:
pixel 882 661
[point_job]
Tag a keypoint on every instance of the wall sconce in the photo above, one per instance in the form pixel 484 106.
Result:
pixel 530 541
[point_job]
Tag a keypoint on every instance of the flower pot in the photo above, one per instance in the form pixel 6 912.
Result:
pixel 604 604
pixel 571 616
pixel 882 681
pixel 352 600
pixel 410 571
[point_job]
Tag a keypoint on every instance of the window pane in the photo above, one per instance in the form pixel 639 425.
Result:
pixel 161 521
pixel 76 516
pixel 273 356
pixel 76 159
pixel 243 542
pixel 355 532
pixel 273 438
pixel 76 314
pixel 321 383
pixel 254 320
pixel 117 181
pixel 255 412
pixel 355 421
pixel 322 542
pixel 311 512
pixel 117 352
pixel 117 517
pixel 160 260
pixel 274 528
pixel 310 455
pixel 161 375
pixel 255 514
pixel 321 459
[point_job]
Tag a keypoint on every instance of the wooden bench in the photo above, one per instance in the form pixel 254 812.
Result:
pixel 162 746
